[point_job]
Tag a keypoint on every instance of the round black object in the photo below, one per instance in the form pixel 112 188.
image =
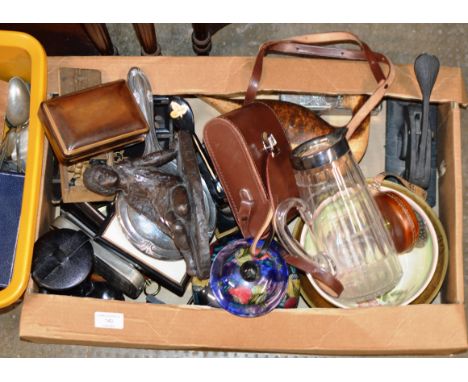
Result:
pixel 62 259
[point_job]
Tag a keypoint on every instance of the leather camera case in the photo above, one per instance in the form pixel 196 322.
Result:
pixel 237 141
pixel 240 158
pixel 89 122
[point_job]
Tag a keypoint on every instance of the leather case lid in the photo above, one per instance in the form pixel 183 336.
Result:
pixel 93 120
pixel 236 170
pixel 234 142
pixel 256 119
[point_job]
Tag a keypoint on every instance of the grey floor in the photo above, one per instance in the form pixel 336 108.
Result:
pixel 402 43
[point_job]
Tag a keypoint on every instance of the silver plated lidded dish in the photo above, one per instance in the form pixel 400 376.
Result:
pixel 148 238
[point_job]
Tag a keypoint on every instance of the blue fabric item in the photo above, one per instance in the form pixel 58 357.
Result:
pixel 11 194
pixel 395 162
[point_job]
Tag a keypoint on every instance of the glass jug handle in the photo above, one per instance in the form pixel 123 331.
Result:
pixel 319 264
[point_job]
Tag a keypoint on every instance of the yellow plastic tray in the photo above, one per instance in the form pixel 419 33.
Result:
pixel 22 55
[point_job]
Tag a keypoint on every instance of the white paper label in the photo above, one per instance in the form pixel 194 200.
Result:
pixel 107 320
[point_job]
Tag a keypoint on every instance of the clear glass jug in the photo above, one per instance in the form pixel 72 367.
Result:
pixel 346 225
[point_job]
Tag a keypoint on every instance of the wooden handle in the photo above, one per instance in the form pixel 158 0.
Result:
pixel 146 35
pixel 100 37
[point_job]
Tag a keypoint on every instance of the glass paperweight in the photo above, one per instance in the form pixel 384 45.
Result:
pixel 247 285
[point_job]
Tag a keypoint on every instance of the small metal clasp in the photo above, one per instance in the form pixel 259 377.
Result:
pixel 270 144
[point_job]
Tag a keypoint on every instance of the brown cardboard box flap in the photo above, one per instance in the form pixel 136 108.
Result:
pixel 451 208
pixel 381 330
pixel 230 76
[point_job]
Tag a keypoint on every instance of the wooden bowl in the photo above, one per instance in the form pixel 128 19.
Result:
pixel 301 124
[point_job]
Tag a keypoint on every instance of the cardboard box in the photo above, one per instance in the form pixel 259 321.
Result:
pixel 417 329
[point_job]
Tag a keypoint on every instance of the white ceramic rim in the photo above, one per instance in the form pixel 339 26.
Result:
pixel 435 257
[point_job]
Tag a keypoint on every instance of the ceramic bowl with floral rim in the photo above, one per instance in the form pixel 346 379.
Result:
pixel 424 267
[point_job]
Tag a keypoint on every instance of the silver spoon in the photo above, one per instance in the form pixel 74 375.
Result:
pixel 17 112
pixel 20 150
pixel 17 118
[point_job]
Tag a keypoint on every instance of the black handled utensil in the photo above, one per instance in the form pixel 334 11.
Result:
pixel 426 68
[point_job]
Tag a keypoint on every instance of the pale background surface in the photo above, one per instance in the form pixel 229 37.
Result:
pixel 400 42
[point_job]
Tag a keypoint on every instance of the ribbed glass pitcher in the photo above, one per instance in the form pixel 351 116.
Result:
pixel 345 223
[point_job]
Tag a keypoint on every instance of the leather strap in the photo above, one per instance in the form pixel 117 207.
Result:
pixel 329 283
pixel 410 186
pixel 303 46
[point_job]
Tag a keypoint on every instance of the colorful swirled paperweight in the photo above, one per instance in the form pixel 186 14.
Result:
pixel 247 285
